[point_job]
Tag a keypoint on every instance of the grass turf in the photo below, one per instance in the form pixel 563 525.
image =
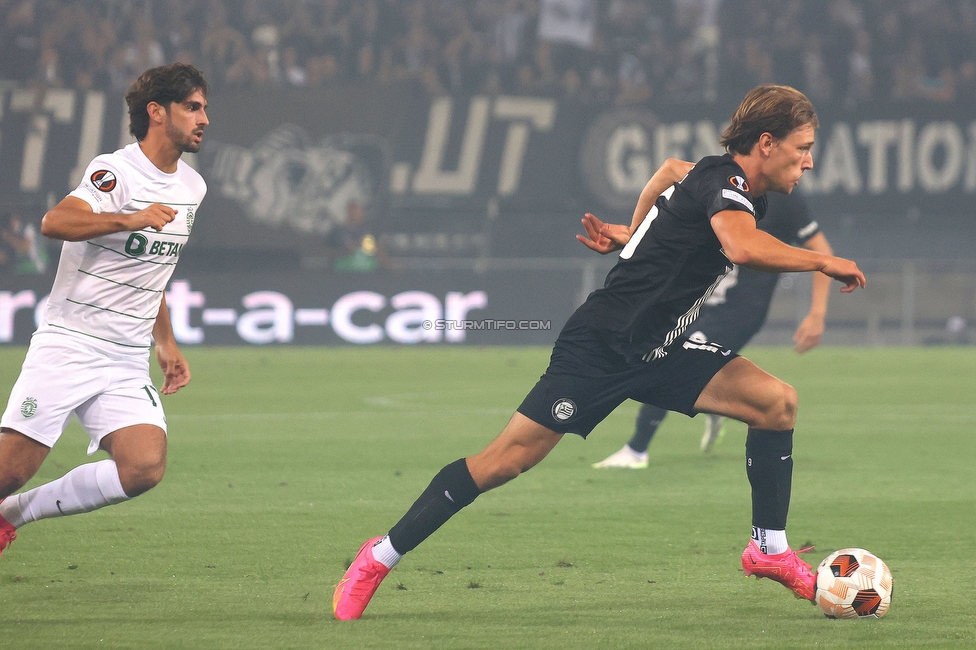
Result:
pixel 283 460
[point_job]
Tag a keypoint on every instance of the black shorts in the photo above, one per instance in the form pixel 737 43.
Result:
pixel 715 326
pixel 588 378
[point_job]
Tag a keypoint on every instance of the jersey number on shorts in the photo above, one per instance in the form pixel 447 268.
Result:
pixel 149 391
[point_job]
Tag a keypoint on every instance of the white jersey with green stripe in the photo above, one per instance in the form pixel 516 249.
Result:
pixel 108 289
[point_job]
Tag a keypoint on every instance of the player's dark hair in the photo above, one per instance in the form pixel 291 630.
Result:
pixel 163 85
pixel 776 110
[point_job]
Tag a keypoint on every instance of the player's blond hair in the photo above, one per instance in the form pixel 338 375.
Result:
pixel 776 110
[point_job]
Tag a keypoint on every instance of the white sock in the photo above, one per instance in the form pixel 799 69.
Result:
pixel 770 541
pixel 385 554
pixel 85 488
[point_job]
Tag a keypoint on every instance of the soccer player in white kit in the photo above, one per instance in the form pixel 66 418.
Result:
pixel 123 227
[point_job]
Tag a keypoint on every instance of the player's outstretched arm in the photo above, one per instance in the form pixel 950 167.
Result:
pixel 846 272
pixel 175 367
pixel 74 220
pixel 607 237
pixel 603 237
pixel 746 245
pixel 810 331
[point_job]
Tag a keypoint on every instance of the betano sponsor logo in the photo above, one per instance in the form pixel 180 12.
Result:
pixel 138 244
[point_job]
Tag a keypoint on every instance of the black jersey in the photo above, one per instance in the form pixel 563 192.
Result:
pixel 738 306
pixel 672 262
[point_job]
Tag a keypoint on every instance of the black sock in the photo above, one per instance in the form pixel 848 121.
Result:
pixel 649 418
pixel 769 465
pixel 449 491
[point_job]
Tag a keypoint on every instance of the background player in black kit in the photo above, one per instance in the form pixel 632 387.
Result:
pixel 735 312
pixel 626 342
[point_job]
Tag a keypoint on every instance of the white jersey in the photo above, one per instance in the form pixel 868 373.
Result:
pixel 108 289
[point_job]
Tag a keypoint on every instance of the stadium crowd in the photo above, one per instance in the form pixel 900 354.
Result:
pixel 609 52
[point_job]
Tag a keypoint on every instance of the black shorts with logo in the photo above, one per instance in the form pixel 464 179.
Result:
pixel 588 378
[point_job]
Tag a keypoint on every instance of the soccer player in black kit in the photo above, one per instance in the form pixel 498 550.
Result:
pixel 734 313
pixel 627 342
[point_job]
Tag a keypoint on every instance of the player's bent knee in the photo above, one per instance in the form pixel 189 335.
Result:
pixel 138 479
pixel 783 414
pixel 790 401
pixel 140 484
pixel 20 458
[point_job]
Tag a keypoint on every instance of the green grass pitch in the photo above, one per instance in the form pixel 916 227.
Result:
pixel 283 460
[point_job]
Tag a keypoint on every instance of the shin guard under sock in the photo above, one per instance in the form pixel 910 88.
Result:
pixel 85 488
pixel 450 490
pixel 769 465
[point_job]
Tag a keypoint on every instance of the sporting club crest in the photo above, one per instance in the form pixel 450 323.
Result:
pixel 29 407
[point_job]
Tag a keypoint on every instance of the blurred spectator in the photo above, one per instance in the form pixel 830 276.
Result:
pixel 48 68
pixel 546 76
pixel 97 40
pixel 509 39
pixel 25 250
pixel 860 76
pixel 143 51
pixel 221 46
pixel 788 40
pixel 601 85
pixel 571 84
pixel 966 86
pixel 21 41
pixel 329 53
pixel 888 43
pixel 264 41
pixel 748 64
pixel 914 79
pixel 294 73
pixel 699 21
pixel 525 80
pixel 634 87
pixel 352 249
pixel 816 82
pixel 176 22
pixel 628 52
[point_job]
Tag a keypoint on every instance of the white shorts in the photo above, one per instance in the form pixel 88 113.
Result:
pixel 61 375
